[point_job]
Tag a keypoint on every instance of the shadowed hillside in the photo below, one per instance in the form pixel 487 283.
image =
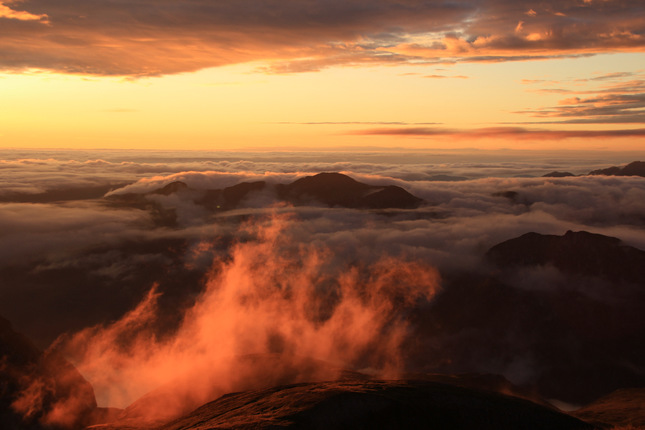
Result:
pixel 373 405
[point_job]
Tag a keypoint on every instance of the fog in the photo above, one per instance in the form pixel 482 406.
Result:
pixel 138 305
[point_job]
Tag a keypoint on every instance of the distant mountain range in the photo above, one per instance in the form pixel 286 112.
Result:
pixel 311 191
pixel 323 189
pixel 635 168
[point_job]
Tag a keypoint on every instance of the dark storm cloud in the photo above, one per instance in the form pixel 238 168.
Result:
pixel 147 38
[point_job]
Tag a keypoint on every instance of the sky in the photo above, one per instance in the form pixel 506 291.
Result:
pixel 322 74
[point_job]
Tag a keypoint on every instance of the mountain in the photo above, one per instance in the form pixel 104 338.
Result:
pixel 335 189
pixel 635 168
pixel 561 315
pixel 580 253
pixel 373 405
pixel 40 390
pixel 230 197
pixel 329 189
pixel 624 407
pixel 556 174
pixel 171 188
pixel 250 372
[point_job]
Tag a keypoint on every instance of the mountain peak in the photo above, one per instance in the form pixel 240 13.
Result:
pixel 635 168
pixel 580 252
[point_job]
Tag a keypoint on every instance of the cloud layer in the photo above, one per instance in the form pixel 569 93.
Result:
pixel 78 262
pixel 146 38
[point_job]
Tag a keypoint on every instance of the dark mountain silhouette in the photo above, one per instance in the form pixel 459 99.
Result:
pixel 635 168
pixel 556 174
pixel 262 371
pixel 329 189
pixel 580 253
pixel 559 342
pixel 40 390
pixel 573 334
pixel 373 405
pixel 171 188
pixel 624 407
pixel 254 371
pixel 230 197
pixel 335 189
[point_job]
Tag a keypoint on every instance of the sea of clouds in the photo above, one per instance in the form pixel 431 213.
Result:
pixel 77 262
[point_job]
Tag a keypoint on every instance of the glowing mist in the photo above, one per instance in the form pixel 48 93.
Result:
pixel 275 311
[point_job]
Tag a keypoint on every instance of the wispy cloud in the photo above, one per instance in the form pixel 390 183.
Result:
pixel 445 77
pixel 501 132
pixel 359 123
pixel 620 99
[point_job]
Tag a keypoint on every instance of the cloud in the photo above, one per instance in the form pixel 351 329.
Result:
pixel 265 276
pixel 109 37
pixel 502 132
pixel 266 298
pixel 73 252
pixel 35 231
pixel 619 99
pixel 445 76
pixel 21 15
pixel 361 122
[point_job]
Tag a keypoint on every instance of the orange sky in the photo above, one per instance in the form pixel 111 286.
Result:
pixel 322 74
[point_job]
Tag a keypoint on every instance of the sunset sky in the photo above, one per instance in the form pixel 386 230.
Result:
pixel 322 74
